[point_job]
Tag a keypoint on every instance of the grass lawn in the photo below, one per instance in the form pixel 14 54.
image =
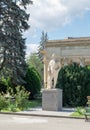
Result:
pixel 35 103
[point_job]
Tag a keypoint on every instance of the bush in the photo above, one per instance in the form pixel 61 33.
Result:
pixel 14 101
pixel 80 110
pixel 3 102
pixel 4 84
pixel 21 98
pixel 33 82
pixel 75 82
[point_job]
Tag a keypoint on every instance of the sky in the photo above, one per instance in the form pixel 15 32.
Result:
pixel 59 18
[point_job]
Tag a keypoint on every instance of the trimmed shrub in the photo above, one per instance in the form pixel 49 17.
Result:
pixel 74 80
pixel 33 82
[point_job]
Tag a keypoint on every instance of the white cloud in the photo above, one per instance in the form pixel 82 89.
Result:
pixel 51 14
pixel 31 48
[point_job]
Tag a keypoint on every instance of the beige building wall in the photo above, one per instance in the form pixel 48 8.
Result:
pixel 66 51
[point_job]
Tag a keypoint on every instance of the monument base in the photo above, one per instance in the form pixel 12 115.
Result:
pixel 52 99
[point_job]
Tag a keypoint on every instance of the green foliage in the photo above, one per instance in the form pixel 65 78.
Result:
pixel 13 22
pixel 21 98
pixel 35 103
pixel 11 108
pixel 4 84
pixel 75 82
pixel 14 101
pixel 88 67
pixel 80 110
pixel 34 61
pixel 3 102
pixel 33 80
pixel 76 114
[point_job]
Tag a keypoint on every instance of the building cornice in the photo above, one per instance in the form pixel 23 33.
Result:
pixel 69 42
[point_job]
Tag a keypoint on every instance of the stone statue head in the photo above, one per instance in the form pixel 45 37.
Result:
pixel 53 56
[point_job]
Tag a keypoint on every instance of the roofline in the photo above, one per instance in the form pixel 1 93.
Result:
pixel 70 41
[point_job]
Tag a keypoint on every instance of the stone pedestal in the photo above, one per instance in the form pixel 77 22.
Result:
pixel 52 99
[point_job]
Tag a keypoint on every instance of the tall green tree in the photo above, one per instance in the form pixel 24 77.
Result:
pixel 13 22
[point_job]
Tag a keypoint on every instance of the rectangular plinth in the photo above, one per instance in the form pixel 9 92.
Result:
pixel 52 99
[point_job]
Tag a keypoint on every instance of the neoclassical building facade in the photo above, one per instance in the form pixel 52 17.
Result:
pixel 58 53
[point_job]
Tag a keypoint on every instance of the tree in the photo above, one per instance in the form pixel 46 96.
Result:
pixel 33 82
pixel 44 38
pixel 34 61
pixel 13 22
pixel 74 80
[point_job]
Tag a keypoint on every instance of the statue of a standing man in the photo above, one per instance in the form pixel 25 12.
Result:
pixel 51 73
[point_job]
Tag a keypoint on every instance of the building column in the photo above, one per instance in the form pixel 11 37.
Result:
pixel 45 68
pixel 45 72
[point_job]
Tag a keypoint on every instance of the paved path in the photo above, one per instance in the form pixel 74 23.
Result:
pixel 15 122
pixel 66 112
